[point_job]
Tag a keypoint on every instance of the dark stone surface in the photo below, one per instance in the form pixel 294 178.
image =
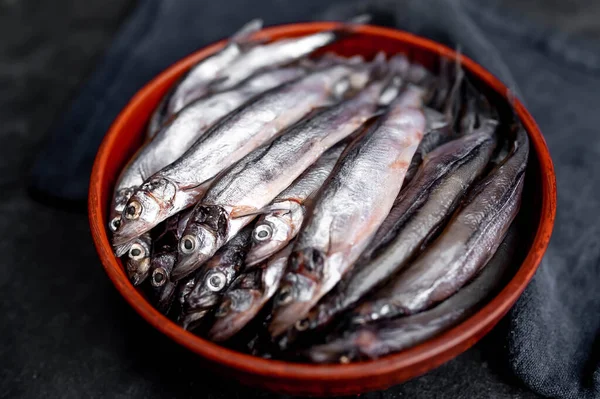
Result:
pixel 66 332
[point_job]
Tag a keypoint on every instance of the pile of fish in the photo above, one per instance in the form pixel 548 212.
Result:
pixel 322 208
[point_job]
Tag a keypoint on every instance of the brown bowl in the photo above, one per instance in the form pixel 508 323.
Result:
pixel 538 210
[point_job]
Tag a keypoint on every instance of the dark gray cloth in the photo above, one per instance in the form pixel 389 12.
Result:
pixel 550 339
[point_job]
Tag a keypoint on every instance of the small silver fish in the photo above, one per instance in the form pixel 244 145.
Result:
pixel 263 174
pixel 185 128
pixel 214 279
pixel 285 215
pixel 137 258
pixel 359 193
pixel 278 53
pixel 184 182
pixel 426 203
pixel 462 249
pixel 247 295
pixel 141 256
pixel 194 84
pixel 383 338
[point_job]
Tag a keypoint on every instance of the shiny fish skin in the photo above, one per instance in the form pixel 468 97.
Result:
pixel 183 183
pixel 137 258
pixel 380 339
pixel 438 132
pixel 283 221
pixel 263 174
pixel 194 84
pixel 429 200
pixel 164 256
pixel 215 277
pixel 247 295
pixel 277 53
pixel 464 246
pixel 359 193
pixel 187 127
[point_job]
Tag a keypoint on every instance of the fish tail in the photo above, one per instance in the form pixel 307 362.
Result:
pixel 243 35
pixel 350 26
pixel 452 100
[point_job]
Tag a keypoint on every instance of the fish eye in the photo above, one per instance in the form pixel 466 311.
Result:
pixel 285 296
pixel 115 223
pixel 159 277
pixel 136 252
pixel 216 282
pixel 262 232
pixel 188 244
pixel 133 210
pixel 302 325
pixel 223 309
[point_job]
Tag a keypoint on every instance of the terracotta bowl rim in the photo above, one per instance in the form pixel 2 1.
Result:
pixel 430 349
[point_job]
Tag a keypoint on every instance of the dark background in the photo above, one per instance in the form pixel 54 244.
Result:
pixel 60 340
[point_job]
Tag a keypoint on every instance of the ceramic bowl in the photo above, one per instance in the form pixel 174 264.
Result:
pixel 538 211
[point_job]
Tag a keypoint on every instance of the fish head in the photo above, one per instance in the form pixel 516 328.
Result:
pixel 238 307
pixel 207 291
pixel 196 246
pixel 193 320
pixel 271 234
pixel 161 267
pixel 137 261
pixel 120 201
pixel 147 207
pixel 185 287
pixel 354 345
pixel 165 296
pixel 205 232
pixel 299 290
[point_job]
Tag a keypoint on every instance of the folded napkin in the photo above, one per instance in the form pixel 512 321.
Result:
pixel 552 336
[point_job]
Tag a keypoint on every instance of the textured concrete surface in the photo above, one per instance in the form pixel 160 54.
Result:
pixel 60 340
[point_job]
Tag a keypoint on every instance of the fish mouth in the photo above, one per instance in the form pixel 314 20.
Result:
pixel 138 270
pixel 240 309
pixel 205 302
pixel 129 231
pixel 146 213
pixel 185 266
pixel 260 253
pixel 192 320
pixel 166 297
pixel 334 352
pixel 289 309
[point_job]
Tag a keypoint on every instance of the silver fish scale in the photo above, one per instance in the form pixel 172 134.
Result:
pixel 190 124
pixel 272 54
pixel 364 187
pixel 200 75
pixel 251 126
pixel 266 174
pixel 465 245
pixel 312 179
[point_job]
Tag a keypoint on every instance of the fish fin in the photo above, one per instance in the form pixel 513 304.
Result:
pixel 435 119
pixel 453 97
pixel 399 65
pixel 391 90
pixel 360 19
pixel 350 26
pixel 379 68
pixel 121 250
pixel 242 36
